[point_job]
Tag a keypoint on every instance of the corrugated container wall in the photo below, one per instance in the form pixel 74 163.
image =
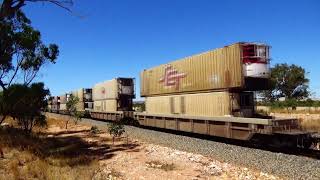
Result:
pixel 217 69
pixel 105 105
pixel 105 90
pixel 113 95
pixel 202 104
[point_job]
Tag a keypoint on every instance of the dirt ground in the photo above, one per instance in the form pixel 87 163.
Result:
pixel 125 159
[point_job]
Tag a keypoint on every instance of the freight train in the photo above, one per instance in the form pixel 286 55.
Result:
pixel 211 93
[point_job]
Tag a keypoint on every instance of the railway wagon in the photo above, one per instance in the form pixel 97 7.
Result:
pixel 112 98
pixel 212 93
pixel 242 66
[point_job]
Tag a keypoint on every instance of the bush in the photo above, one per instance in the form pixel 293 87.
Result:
pixel 25 104
pixel 116 129
pixel 94 130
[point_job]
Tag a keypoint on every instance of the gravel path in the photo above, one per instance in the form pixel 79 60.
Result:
pixel 290 166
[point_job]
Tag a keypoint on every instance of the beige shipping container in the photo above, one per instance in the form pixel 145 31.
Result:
pixel 78 93
pixel 113 89
pixel 202 104
pixel 80 106
pixel 105 105
pixel 216 69
pixel 63 99
pixel 105 90
pixel 63 107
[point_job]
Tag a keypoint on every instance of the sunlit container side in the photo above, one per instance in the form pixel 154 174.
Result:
pixel 105 90
pixel 105 105
pixel 202 104
pixel 63 102
pixel 217 69
pixel 63 99
pixel 241 65
pixel 63 107
pixel 114 95
pixel 85 99
pixel 78 93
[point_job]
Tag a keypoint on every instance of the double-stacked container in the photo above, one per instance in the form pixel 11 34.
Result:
pixel 215 83
pixel 113 95
pixel 85 99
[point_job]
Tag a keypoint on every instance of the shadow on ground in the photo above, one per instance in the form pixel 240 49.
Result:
pixel 66 146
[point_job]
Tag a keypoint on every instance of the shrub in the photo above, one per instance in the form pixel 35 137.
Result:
pixel 94 130
pixel 116 129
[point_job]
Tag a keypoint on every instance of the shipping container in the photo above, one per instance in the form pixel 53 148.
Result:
pixel 105 105
pixel 78 93
pixel 113 95
pixel 219 69
pixel 63 107
pixel 63 99
pixel 203 104
pixel 85 99
pixel 123 104
pixel 113 89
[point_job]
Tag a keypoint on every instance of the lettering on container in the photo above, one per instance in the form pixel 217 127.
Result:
pixel 172 77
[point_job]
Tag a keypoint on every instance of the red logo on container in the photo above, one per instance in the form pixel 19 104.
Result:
pixel 172 77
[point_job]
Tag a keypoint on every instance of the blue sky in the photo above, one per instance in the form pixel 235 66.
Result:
pixel 106 39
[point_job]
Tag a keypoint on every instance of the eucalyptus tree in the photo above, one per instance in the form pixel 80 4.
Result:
pixel 22 53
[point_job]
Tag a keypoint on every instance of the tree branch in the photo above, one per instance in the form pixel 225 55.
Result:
pixel 10 7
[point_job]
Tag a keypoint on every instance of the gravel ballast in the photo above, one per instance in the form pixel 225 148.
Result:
pixel 284 165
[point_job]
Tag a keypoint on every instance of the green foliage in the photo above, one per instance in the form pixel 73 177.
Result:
pixel 72 109
pixel 22 53
pixel 139 106
pixel 288 81
pixel 25 103
pixel 292 103
pixel 116 129
pixel 72 104
pixel 94 130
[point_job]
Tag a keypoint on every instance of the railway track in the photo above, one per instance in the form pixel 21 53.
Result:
pixel 313 152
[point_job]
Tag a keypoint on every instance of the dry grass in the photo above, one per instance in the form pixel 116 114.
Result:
pixel 310 124
pixel 49 156
pixel 305 111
